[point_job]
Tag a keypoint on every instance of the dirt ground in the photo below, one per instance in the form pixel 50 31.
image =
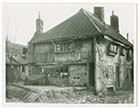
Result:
pixel 68 95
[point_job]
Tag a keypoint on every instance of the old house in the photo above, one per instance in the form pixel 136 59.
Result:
pixel 79 51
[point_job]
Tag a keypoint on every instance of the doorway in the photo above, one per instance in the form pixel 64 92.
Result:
pixel 91 74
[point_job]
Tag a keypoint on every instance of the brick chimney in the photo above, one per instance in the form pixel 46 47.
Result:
pixel 114 21
pixel 99 12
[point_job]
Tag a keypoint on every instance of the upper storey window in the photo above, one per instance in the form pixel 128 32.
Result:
pixel 112 49
pixel 64 47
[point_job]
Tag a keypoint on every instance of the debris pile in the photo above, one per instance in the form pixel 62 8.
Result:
pixel 64 95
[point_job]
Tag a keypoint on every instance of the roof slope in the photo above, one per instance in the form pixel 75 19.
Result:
pixel 82 24
pixel 20 59
pixel 16 60
pixel 14 45
pixel 76 26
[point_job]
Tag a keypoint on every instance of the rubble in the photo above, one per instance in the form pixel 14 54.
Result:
pixel 65 95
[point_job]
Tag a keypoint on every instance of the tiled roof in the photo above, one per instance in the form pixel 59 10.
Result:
pixel 82 24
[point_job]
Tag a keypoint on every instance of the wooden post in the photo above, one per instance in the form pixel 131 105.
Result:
pixel 88 74
pixel 94 57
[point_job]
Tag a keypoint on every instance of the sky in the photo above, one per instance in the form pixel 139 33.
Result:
pixel 19 18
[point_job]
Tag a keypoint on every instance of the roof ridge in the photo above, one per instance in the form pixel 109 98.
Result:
pixel 118 33
pixel 85 13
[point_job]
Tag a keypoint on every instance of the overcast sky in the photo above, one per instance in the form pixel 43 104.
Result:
pixel 19 19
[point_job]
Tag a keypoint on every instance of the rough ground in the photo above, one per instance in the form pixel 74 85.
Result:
pixel 68 95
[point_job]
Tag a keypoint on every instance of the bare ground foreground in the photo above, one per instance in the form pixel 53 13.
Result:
pixel 69 95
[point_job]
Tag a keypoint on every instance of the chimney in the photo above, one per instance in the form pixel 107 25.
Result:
pixel 114 21
pixel 127 36
pixel 99 12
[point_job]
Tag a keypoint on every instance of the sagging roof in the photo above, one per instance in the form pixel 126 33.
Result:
pixel 82 24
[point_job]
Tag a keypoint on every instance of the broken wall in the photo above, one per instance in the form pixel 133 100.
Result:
pixel 105 74
pixel 105 68
pixel 78 75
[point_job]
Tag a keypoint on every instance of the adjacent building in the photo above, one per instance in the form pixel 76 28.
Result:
pixel 16 62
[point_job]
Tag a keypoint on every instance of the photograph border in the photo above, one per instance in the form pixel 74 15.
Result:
pixel 85 105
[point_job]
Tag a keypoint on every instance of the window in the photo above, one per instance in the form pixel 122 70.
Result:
pixel 61 70
pixel 23 68
pixel 112 49
pixel 123 51
pixel 25 50
pixel 130 53
pixel 58 48
pixel 42 70
pixel 64 47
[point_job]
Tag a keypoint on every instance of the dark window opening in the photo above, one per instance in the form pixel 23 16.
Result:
pixel 25 51
pixel 62 70
pixel 23 68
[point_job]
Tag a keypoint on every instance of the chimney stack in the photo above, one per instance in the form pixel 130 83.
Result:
pixel 127 36
pixel 114 21
pixel 99 12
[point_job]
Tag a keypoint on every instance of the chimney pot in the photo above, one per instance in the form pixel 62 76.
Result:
pixel 112 12
pixel 127 36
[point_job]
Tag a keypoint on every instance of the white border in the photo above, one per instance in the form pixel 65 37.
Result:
pixel 37 105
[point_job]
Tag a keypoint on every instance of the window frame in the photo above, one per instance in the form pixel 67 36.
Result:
pixel 64 47
pixel 112 52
